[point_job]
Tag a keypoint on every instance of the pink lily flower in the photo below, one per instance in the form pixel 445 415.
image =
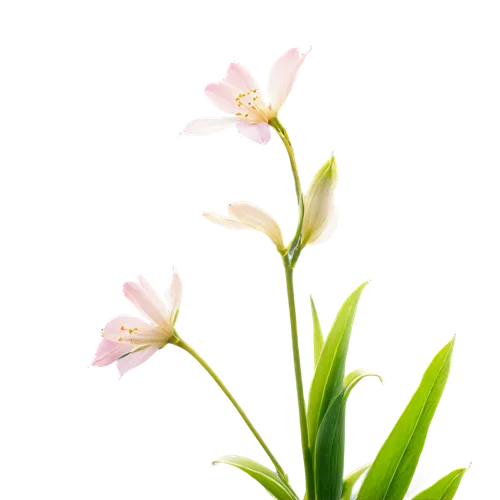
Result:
pixel 131 341
pixel 239 95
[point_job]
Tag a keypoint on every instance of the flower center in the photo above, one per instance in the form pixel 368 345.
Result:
pixel 251 106
pixel 155 335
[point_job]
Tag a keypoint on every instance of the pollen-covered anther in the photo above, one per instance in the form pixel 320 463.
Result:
pixel 120 339
pixel 122 328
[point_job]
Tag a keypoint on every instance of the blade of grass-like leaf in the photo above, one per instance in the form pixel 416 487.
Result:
pixel 355 376
pixel 390 475
pixel 318 334
pixel 351 479
pixel 330 449
pixel 266 477
pixel 328 376
pixel 445 488
pixel 329 452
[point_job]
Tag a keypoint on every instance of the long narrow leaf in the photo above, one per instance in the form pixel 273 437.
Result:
pixel 355 376
pixel 445 488
pixel 330 450
pixel 328 376
pixel 318 334
pixel 391 473
pixel 266 477
pixel 351 479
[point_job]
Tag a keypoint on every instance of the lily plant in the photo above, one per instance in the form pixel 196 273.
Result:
pixel 130 341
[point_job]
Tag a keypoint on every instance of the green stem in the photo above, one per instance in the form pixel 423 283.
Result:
pixel 306 451
pixel 184 345
pixel 286 140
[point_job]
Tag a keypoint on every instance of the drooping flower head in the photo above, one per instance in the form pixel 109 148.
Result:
pixel 239 95
pixel 246 215
pixel 131 341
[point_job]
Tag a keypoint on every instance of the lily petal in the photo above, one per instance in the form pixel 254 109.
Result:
pixel 222 96
pixel 108 352
pixel 282 76
pixel 257 132
pixel 240 77
pixel 226 222
pixel 208 126
pixel 135 359
pixel 257 218
pixel 147 300
pixel 173 296
pixel 146 283
pixel 126 328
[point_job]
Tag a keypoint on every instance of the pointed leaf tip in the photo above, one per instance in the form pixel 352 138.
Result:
pixel 445 488
pixel 393 468
pixel 266 477
pixel 317 333
pixel 351 479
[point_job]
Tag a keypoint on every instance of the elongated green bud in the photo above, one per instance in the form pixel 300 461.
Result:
pixel 320 213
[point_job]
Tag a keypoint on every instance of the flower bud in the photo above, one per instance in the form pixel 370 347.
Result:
pixel 320 213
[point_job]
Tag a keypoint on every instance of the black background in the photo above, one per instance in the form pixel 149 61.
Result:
pixel 405 218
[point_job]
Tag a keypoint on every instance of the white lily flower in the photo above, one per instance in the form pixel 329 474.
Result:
pixel 320 212
pixel 240 96
pixel 245 215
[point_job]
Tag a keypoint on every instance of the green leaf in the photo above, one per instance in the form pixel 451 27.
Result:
pixel 355 376
pixel 419 481
pixel 390 475
pixel 318 334
pixel 266 477
pixel 330 450
pixel 327 381
pixel 445 488
pixel 351 479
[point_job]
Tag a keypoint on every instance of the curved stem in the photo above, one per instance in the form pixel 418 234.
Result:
pixel 184 345
pixel 306 451
pixel 286 140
